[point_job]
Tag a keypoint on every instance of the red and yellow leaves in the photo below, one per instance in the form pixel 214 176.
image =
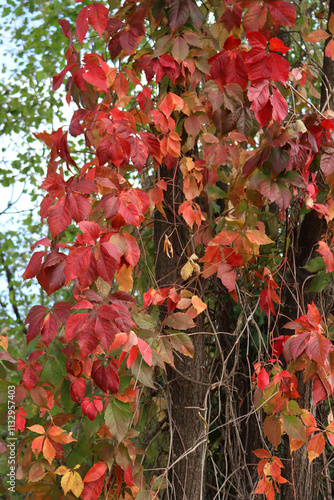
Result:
pixel 93 481
pixel 71 480
pixel 48 443
pixel 315 446
pixel 269 470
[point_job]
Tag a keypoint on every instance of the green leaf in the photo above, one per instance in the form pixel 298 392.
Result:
pixel 315 265
pixel 53 372
pixel 320 281
pixel 143 373
pixel 79 454
pixel 294 427
pixel 294 408
pixel 90 427
pixel 118 417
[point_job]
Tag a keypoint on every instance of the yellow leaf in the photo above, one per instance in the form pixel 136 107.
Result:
pixel 124 278
pixel 72 481
pixel 198 304
pixel 37 428
pixel 62 470
pixel 4 342
pixel 168 247
pixel 187 271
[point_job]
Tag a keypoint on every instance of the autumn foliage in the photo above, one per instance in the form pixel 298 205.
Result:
pixel 214 103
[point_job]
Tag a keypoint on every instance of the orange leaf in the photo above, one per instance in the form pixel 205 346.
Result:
pixel 37 428
pixel 48 451
pixel 329 50
pixel 37 445
pixel 315 446
pixel 317 36
pixel 261 453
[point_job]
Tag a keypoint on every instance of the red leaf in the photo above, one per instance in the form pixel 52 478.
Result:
pixel 50 329
pixel 96 472
pixel 228 67
pixel 35 321
pixel 128 476
pixel 319 392
pixel 81 25
pixel 262 379
pixel 59 216
pixel 108 261
pixel 327 255
pixel 262 453
pixel 192 125
pixel 30 378
pixel 93 488
pixel 318 348
pixel 145 351
pixel 34 265
pixel 178 14
pixel 75 324
pixel 276 192
pixel 91 407
pixel 255 17
pixel 77 262
pixel 78 389
pixel 44 241
pixel 282 12
pixel 267 296
pixel 277 45
pixel 98 17
pixel 90 232
pixel 105 377
pixel 105 328
pixel 279 104
pixel 66 28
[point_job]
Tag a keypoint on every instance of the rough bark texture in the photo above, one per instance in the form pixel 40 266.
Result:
pixel 188 383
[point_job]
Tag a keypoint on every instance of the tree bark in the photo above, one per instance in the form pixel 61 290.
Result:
pixel 187 380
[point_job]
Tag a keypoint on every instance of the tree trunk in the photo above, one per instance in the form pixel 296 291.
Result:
pixel 187 380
